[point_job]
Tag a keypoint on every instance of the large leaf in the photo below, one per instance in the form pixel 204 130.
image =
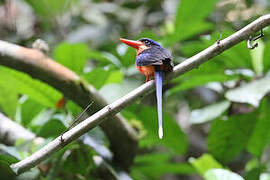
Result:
pixel 100 76
pixel 209 112
pixel 6 171
pixel 97 77
pixel 24 84
pixel 29 109
pixel 115 77
pixel 253 169
pixel 261 135
pixel 52 128
pixel 266 57
pixel 73 56
pixel 251 93
pixel 228 138
pixel 8 99
pixel 129 57
pixel 188 23
pixel 78 161
pixel 155 165
pixel 104 58
pixel 221 174
pixel 233 58
pixel 237 57
pixel 50 8
pixel 204 163
pixel 192 81
pixel 174 138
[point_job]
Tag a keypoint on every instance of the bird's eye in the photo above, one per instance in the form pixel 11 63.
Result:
pixel 147 42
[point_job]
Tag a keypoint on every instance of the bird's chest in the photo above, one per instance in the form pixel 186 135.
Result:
pixel 146 70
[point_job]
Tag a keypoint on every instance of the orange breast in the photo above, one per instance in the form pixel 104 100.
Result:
pixel 147 70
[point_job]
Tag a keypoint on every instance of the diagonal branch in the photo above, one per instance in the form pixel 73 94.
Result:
pixel 39 66
pixel 121 103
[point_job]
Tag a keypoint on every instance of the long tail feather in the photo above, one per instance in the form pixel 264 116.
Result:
pixel 158 78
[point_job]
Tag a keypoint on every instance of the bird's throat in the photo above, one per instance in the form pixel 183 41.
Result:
pixel 141 49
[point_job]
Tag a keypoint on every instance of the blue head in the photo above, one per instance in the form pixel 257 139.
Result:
pixel 141 44
pixel 149 42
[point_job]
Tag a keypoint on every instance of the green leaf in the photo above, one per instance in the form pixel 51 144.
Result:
pixel 237 57
pixel 29 109
pixel 115 77
pixel 73 108
pixel 52 128
pixel 73 56
pixel 99 77
pixel 186 12
pixel 79 161
pixel 8 99
pixel 251 93
pixel 101 57
pixel 221 174
pixel 253 174
pixel 266 57
pixel 257 57
pixel 49 8
pixel 228 138
pixel 119 90
pixel 174 138
pixel 260 137
pixel 128 59
pixel 192 81
pixel 191 48
pixel 233 58
pixel 188 23
pixel 24 84
pixel 5 171
pixel 8 159
pixel 155 165
pixel 209 112
pixel 204 163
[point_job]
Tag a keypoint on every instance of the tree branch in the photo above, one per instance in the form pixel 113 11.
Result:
pixel 39 66
pixel 10 131
pixel 121 103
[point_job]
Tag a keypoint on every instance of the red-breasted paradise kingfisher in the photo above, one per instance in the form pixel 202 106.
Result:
pixel 153 61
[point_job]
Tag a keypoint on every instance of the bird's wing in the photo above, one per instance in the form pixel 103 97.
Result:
pixel 153 56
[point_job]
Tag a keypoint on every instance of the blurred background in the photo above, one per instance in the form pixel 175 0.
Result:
pixel 216 117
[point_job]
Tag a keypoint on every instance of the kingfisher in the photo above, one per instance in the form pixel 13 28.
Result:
pixel 153 61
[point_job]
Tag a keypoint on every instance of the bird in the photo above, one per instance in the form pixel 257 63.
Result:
pixel 153 61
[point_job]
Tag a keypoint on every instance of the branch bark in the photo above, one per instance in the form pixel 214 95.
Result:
pixel 10 131
pixel 39 66
pixel 121 103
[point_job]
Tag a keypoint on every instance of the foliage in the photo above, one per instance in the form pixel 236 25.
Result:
pixel 216 117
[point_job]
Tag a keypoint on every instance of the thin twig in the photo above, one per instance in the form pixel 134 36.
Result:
pixel 121 103
pixel 78 119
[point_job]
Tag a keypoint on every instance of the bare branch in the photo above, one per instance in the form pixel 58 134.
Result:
pixel 39 66
pixel 10 131
pixel 121 103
